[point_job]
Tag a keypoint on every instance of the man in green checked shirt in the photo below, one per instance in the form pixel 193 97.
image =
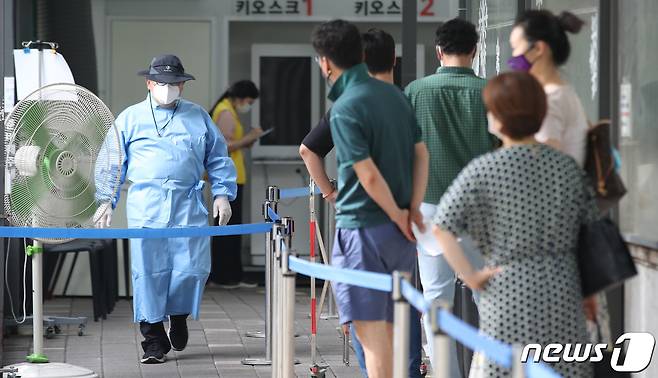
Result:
pixel 453 119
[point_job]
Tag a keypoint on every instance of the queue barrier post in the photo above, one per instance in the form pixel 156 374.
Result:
pixel 283 233
pixel 316 369
pixel 287 299
pixel 441 341
pixel 330 228
pixel 276 300
pixel 272 196
pixel 518 367
pixel 401 321
pixel 314 317
pixel 346 348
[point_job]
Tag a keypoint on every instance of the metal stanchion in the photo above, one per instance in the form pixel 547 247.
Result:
pixel 271 202
pixel 441 343
pixel 283 234
pixel 314 317
pixel 316 369
pixel 331 231
pixel 346 349
pixel 277 346
pixel 401 322
pixel 288 232
pixel 518 367
pixel 287 299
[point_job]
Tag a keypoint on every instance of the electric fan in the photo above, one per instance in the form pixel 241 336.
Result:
pixel 62 160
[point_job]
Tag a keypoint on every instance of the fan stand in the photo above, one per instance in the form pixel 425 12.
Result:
pixel 38 364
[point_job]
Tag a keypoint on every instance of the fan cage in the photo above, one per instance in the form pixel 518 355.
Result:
pixel 78 165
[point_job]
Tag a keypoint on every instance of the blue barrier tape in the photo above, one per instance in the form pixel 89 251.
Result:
pixel 369 280
pixel 133 233
pixel 470 336
pixel 415 297
pixel 296 192
pixel 539 370
pixel 272 214
pixel 496 350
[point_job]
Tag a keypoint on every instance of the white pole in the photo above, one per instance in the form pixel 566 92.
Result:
pixel 271 202
pixel 401 323
pixel 37 303
pixel 518 367
pixel 331 231
pixel 441 342
pixel 288 316
pixel 276 302
pixel 314 315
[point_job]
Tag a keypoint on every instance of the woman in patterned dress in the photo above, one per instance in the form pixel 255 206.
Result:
pixel 523 205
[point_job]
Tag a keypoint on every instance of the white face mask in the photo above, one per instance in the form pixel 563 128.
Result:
pixel 165 94
pixel 243 108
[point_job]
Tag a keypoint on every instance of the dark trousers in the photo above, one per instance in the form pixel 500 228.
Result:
pixel 227 250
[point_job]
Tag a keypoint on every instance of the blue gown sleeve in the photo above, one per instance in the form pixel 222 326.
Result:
pixel 107 168
pixel 221 170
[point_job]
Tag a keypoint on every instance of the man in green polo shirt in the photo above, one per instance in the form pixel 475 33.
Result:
pixel 382 174
pixel 451 113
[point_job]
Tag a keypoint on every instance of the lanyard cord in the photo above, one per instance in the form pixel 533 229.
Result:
pixel 157 130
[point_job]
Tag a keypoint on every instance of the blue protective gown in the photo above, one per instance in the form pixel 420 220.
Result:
pixel 166 170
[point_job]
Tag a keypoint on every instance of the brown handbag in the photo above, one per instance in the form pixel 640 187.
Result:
pixel 600 167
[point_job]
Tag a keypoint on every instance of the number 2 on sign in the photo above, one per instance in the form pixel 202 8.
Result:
pixel 427 10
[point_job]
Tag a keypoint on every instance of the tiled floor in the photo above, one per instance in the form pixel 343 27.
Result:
pixel 217 343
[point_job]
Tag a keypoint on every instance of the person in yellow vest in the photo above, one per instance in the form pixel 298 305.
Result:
pixel 226 271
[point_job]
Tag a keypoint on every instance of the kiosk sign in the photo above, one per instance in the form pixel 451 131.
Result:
pixel 428 10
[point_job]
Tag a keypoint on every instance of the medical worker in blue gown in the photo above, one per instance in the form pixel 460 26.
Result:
pixel 167 144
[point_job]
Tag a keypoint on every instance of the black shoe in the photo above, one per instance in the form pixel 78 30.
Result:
pixel 153 353
pixel 156 343
pixel 178 334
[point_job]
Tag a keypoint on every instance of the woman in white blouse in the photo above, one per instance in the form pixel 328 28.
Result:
pixel 540 45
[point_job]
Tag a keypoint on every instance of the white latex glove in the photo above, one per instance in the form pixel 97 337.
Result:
pixel 222 208
pixel 103 216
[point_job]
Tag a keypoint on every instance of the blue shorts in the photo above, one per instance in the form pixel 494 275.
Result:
pixel 381 249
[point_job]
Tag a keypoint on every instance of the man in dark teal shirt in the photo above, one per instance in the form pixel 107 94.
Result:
pixel 382 174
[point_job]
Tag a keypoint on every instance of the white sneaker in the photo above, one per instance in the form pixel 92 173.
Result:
pixel 233 286
pixel 228 286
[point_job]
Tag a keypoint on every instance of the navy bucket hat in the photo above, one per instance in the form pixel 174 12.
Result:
pixel 166 68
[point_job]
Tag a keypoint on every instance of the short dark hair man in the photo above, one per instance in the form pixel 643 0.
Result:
pixel 380 184
pixel 451 113
pixel 379 48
